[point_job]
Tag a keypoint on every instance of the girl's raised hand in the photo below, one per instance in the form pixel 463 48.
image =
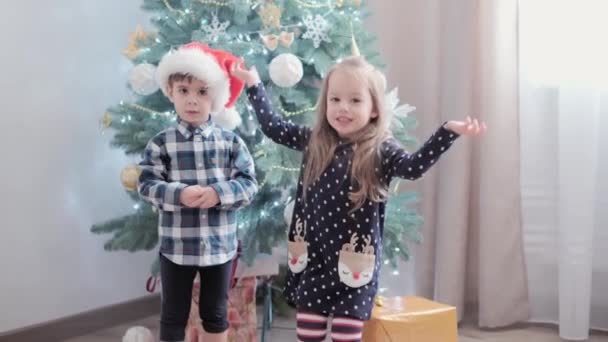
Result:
pixel 250 77
pixel 469 127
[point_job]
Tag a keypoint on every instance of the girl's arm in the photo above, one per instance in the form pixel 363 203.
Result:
pixel 273 125
pixel 397 162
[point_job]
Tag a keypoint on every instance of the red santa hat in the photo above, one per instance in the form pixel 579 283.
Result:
pixel 211 66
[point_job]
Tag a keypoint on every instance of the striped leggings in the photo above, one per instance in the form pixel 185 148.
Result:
pixel 313 328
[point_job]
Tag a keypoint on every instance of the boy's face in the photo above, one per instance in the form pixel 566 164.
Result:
pixel 191 100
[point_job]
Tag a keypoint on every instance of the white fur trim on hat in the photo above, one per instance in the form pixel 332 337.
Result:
pixel 228 118
pixel 200 65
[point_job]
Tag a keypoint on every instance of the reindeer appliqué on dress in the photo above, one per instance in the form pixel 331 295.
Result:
pixel 297 250
pixel 356 268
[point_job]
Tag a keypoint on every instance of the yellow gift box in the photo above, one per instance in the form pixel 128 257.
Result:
pixel 411 319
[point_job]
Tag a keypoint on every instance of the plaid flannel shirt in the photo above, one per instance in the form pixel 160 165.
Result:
pixel 183 155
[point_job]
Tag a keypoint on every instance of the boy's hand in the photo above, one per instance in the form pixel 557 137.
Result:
pixel 250 77
pixel 209 198
pixel 191 195
pixel 468 127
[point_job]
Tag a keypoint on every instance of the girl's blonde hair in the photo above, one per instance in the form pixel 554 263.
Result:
pixel 366 165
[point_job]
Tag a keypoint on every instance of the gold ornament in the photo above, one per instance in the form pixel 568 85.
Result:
pixel 132 51
pixel 271 15
pixel 129 176
pixel 299 112
pixel 106 120
pixel 139 34
pixel 169 6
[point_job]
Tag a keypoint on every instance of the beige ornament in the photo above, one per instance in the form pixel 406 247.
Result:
pixel 286 38
pixel 129 176
pixel 271 41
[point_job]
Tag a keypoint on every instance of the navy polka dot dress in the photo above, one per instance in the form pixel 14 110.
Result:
pixel 335 255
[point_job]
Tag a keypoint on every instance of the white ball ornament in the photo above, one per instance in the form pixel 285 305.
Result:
pixel 141 79
pixel 286 70
pixel 138 334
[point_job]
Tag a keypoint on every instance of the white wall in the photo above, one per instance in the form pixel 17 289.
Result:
pixel 61 67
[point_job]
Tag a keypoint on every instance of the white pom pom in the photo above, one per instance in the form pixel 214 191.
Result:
pixel 288 213
pixel 141 79
pixel 286 70
pixel 228 119
pixel 138 334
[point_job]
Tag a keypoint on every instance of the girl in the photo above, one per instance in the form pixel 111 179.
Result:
pixel 335 238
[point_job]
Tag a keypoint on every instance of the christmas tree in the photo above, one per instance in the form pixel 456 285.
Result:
pixel 292 43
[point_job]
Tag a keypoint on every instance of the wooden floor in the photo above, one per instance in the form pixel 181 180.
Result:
pixel 284 331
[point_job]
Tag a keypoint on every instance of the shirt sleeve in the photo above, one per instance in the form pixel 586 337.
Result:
pixel 397 162
pixel 239 191
pixel 153 186
pixel 273 125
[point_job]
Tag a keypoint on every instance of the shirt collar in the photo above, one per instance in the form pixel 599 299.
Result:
pixel 187 129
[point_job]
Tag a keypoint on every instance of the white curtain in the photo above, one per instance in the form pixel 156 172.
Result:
pixel 564 160
pixel 450 59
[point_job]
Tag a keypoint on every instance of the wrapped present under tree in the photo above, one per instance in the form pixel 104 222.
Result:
pixel 411 319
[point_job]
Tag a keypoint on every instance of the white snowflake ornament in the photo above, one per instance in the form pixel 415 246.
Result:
pixel 316 29
pixel 396 111
pixel 215 30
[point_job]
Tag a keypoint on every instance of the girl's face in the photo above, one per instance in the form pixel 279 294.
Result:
pixel 349 103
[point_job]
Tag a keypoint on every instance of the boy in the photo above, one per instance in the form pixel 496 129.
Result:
pixel 197 175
